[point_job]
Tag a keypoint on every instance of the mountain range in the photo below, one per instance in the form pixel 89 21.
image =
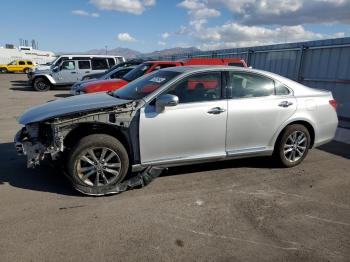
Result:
pixel 130 53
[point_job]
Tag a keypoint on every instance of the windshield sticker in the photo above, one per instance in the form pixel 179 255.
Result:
pixel 157 79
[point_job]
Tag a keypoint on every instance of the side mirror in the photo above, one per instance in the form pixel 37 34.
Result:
pixel 55 69
pixel 166 100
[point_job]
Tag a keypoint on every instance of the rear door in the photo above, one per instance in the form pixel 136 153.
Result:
pixel 84 68
pixel 257 108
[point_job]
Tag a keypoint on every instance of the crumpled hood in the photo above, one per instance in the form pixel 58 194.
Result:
pixel 69 105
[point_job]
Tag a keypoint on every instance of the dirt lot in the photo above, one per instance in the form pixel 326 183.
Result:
pixel 242 210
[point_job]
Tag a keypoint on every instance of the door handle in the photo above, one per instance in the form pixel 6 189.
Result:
pixel 87 71
pixel 216 110
pixel 73 72
pixel 285 104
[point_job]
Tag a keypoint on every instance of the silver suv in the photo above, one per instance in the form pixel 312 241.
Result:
pixel 69 71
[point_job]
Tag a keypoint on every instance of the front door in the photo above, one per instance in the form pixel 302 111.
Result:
pixel 67 73
pixel 258 108
pixel 194 129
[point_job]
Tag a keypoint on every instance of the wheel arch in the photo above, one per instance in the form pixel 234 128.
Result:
pixel 308 124
pixel 47 77
pixel 84 129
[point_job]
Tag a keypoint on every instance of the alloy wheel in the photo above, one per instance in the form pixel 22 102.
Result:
pixel 99 166
pixel 295 146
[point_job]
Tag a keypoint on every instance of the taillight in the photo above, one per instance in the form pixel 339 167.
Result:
pixel 333 103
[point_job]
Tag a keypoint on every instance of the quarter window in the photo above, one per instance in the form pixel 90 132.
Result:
pixel 84 64
pixel 281 89
pixel 198 88
pixel 21 63
pixel 99 64
pixel 245 85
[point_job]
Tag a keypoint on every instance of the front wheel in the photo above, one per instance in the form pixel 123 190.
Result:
pixel 97 163
pixel 41 84
pixel 293 145
pixel 3 70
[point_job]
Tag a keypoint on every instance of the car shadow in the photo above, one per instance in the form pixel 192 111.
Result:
pixel 44 178
pixel 47 179
pixel 337 148
pixel 63 95
pixel 254 162
pixel 20 85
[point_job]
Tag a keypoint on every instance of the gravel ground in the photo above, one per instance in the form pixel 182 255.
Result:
pixel 241 210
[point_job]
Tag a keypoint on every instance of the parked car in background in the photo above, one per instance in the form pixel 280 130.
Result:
pixel 17 66
pixel 112 60
pixel 227 112
pixel 123 64
pixel 70 71
pixel 150 66
pixel 112 84
pixel 117 73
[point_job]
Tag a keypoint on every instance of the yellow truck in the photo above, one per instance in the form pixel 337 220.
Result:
pixel 17 66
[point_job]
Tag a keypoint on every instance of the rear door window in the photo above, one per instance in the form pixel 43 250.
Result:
pixel 99 64
pixel 246 85
pixel 84 64
pixel 111 62
pixel 29 63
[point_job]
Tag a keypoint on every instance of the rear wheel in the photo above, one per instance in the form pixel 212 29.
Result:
pixel 293 145
pixel 26 70
pixel 41 84
pixel 97 163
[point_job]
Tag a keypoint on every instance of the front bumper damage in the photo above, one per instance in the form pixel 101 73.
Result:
pixel 28 144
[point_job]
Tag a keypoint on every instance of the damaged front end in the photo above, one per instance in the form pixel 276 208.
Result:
pixel 37 141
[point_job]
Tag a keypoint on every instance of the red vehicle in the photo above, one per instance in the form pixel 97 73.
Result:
pixel 148 67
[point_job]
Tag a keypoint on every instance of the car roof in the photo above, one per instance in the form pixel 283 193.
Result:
pixel 162 62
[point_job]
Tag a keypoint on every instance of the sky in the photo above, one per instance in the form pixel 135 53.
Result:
pixel 149 25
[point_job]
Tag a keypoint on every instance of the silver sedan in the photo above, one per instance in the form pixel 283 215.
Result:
pixel 178 116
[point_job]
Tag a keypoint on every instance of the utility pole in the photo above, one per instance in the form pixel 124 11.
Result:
pixel 106 49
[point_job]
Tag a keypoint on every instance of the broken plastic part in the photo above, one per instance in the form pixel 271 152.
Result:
pixel 140 180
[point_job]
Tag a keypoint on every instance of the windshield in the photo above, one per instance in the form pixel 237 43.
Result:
pixel 143 86
pixel 54 61
pixel 13 62
pixel 137 72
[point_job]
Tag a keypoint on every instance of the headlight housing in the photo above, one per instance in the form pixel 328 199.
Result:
pixel 32 130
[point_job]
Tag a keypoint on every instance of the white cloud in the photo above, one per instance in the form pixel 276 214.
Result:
pixel 278 12
pixel 231 35
pixel 260 22
pixel 84 13
pixel 198 9
pixel 162 43
pixel 131 6
pixel 126 37
pixel 165 35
